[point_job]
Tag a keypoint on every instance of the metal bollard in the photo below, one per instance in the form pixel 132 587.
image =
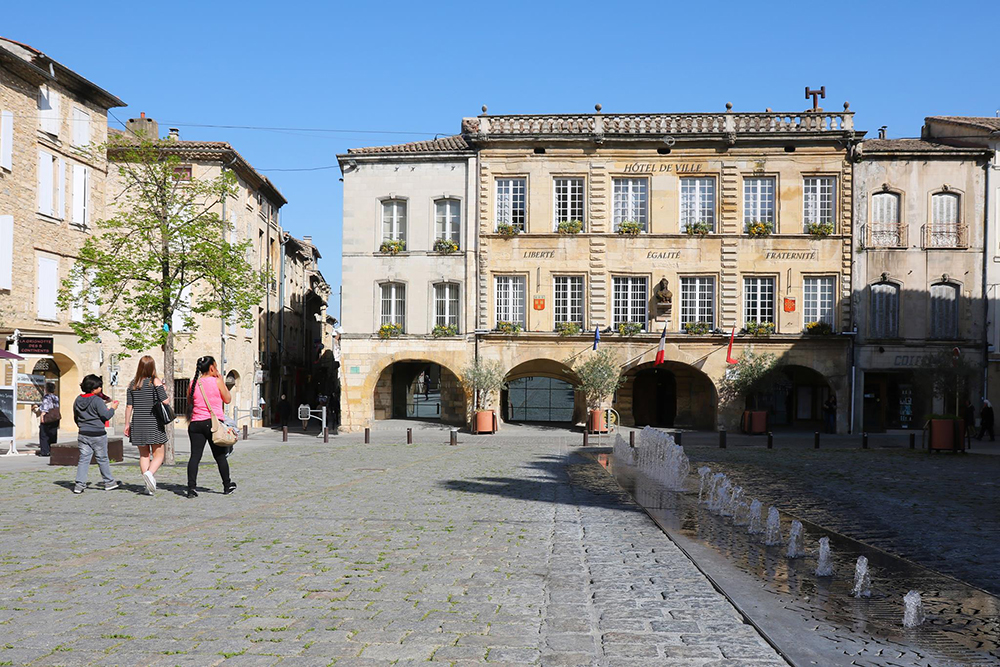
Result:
pixel 722 439
pixel 409 436
pixel 770 440
pixel 677 437
pixel 326 434
pixel 631 438
pixel 454 438
pixel 864 441
pixel 368 435
pixel 585 439
pixel 244 431
pixel 816 440
pixel 913 441
pixel 284 434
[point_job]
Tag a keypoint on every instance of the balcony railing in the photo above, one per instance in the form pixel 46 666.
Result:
pixel 885 236
pixel 945 236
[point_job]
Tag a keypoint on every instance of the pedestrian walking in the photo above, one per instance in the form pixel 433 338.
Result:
pixel 284 411
pixel 986 420
pixel 207 395
pixel 969 416
pixel 830 414
pixel 49 416
pixel 143 427
pixel 91 414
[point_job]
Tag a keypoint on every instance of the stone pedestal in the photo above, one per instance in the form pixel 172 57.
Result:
pixel 68 453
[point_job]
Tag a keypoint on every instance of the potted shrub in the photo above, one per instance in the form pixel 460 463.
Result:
pixel 570 227
pixel 751 376
pixel 600 376
pixel 512 328
pixel 698 229
pixel 485 379
pixel 567 328
pixel 442 330
pixel 819 328
pixel 697 328
pixel 507 231
pixel 629 329
pixel 757 229
pixel 446 246
pixel 629 228
pixel 760 329
pixel 392 246
pixel 387 331
pixel 952 376
pixel 819 229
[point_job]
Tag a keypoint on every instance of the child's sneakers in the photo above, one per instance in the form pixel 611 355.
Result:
pixel 79 488
pixel 112 485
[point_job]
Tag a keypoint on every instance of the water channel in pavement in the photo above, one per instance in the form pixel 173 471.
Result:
pixel 815 620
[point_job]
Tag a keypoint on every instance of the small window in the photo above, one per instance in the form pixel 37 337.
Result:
pixel 568 306
pixel 446 305
pixel 817 201
pixel 697 204
pixel 394 220
pixel 631 202
pixel 568 203
pixel 447 220
pixel 510 297
pixel 630 299
pixel 181 388
pixel 81 128
pixel 394 304
pixel 758 201
pixel 885 230
pixel 944 311
pixel 510 203
pixel 944 231
pixel 758 299
pixel 884 311
pixel 183 172
pixel 698 300
pixel 818 293
pixel 48 110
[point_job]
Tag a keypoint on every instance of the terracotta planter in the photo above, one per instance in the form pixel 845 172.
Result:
pixel 947 434
pixel 755 422
pixel 486 421
pixel 597 423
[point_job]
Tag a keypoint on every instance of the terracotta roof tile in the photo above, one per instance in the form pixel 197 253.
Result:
pixel 912 146
pixel 981 122
pixel 442 145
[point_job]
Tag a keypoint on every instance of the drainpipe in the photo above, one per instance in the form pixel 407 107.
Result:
pixel 988 167
pixel 222 320
pixel 281 310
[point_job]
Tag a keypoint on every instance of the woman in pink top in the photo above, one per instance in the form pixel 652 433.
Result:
pixel 207 384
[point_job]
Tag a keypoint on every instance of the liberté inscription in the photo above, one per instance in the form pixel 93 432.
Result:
pixel 539 254
pixel 651 168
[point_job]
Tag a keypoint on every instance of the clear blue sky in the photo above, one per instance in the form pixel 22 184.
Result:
pixel 413 69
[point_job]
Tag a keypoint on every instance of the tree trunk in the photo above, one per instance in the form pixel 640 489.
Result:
pixel 168 381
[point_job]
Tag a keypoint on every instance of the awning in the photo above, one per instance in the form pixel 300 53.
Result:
pixel 4 354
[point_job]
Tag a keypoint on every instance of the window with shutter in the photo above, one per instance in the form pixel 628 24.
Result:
pixel 944 231
pixel 48 280
pixel 60 209
pixel 182 311
pixel 46 171
pixel 81 128
pixel 884 311
pixel 7 140
pixel 944 311
pixel 6 251
pixel 48 110
pixel 81 195
pixel 885 231
pixel 76 307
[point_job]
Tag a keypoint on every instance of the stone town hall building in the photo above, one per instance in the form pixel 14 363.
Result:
pixel 509 242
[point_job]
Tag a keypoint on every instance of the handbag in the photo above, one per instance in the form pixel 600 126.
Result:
pixel 52 415
pixel 221 435
pixel 164 413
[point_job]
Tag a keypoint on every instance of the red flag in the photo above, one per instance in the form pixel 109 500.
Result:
pixel 729 352
pixel 661 349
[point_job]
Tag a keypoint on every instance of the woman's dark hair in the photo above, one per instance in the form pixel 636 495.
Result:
pixel 202 366
pixel 91 383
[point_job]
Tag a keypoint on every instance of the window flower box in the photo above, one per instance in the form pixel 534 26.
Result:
pixel 442 330
pixel 819 328
pixel 629 328
pixel 392 246
pixel 446 246
pixel 512 328
pixel 819 230
pixel 387 331
pixel 697 328
pixel 508 231
pixel 567 328
pixel 698 229
pixel 630 228
pixel 757 229
pixel 759 329
pixel 570 227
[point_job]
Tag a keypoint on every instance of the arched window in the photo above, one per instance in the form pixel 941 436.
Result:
pixel 394 220
pixel 447 220
pixel 945 229
pixel 885 229
pixel 944 311
pixel 394 304
pixel 884 311
pixel 446 305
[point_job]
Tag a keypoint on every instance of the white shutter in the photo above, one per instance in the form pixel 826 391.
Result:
pixel 7 140
pixel 60 211
pixel 92 307
pixel 48 107
pixel 80 178
pixel 44 183
pixel 6 251
pixel 48 279
pixel 181 311
pixel 81 127
pixel 76 308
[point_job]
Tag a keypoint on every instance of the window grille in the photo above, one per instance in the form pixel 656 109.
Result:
pixel 630 300
pixel 758 200
pixel 818 293
pixel 697 202
pixel 511 202
pixel 758 299
pixel 510 295
pixel 698 300
pixel 394 304
pixel 447 220
pixel 568 306
pixel 817 200
pixel 394 220
pixel 630 201
pixel 568 200
pixel 446 305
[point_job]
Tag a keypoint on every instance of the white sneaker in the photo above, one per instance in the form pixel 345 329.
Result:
pixel 150 481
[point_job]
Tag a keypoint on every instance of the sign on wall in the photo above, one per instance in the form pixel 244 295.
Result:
pixel 30 388
pixel 789 304
pixel 539 302
pixel 34 345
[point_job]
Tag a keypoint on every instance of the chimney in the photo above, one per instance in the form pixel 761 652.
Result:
pixel 308 239
pixel 147 128
pixel 174 135
pixel 881 131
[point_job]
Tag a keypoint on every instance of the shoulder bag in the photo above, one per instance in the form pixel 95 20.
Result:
pixel 221 435
pixel 51 415
pixel 163 412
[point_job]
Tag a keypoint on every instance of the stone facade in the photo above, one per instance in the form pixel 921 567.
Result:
pixel 918 266
pixel 54 166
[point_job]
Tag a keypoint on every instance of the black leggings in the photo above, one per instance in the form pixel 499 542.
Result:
pixel 200 432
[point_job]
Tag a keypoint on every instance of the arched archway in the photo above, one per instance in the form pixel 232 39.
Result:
pixel 419 389
pixel 542 390
pixel 796 398
pixel 671 394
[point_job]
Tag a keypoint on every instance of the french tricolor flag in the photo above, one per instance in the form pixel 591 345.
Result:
pixel 661 350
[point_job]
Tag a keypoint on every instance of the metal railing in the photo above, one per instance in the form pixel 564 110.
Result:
pixel 885 236
pixel 945 236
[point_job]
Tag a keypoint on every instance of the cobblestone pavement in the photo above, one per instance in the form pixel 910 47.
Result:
pixel 941 511
pixel 503 550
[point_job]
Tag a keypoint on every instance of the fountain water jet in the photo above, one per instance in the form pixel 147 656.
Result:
pixel 703 473
pixel 825 566
pixel 795 539
pixel 862 579
pixel 754 524
pixel 772 536
pixel 913 610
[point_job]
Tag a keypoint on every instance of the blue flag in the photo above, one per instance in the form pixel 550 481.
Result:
pixel 597 336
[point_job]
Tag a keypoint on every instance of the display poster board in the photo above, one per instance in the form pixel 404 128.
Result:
pixel 34 345
pixel 30 388
pixel 7 412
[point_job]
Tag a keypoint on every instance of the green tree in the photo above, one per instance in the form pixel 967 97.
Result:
pixel 952 376
pixel 753 375
pixel 484 378
pixel 600 376
pixel 164 251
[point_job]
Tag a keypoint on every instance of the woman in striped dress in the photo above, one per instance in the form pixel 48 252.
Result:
pixel 142 427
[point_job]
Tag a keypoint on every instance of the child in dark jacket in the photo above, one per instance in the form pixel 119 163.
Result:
pixel 91 413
